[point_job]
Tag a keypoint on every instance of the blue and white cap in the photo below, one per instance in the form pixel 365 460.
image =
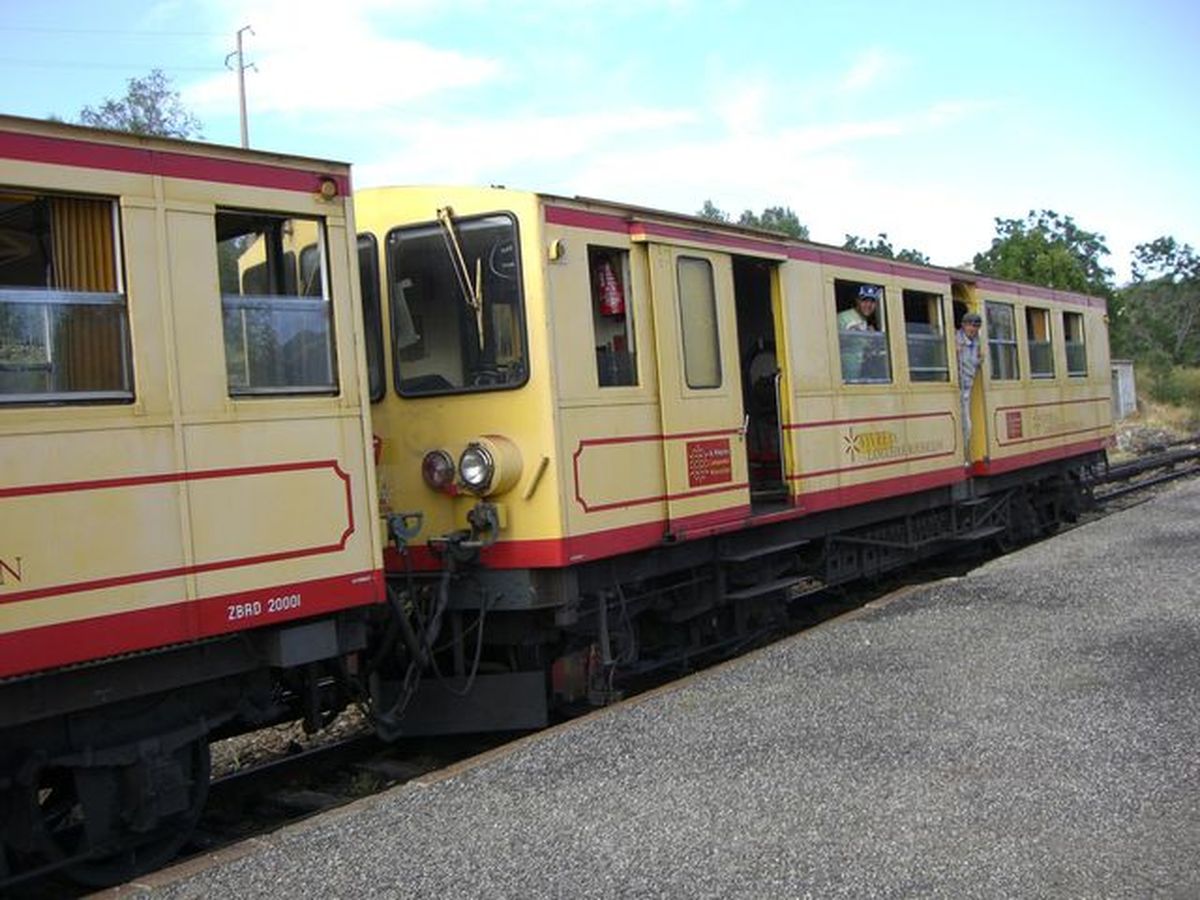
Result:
pixel 870 292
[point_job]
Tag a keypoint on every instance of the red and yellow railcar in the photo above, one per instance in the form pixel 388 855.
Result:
pixel 187 491
pixel 603 419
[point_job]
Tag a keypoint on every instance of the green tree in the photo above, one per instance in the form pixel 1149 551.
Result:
pixel 1048 249
pixel 881 246
pixel 781 219
pixel 776 218
pixel 1162 305
pixel 151 105
pixel 712 212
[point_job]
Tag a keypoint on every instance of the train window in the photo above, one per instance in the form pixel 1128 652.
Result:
pixel 612 326
pixel 64 328
pixel 1002 341
pixel 698 322
pixel 458 317
pixel 368 274
pixel 1076 351
pixel 862 332
pixel 925 333
pixel 276 315
pixel 1041 351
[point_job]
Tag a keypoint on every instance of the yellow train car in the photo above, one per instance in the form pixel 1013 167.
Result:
pixel 583 402
pixel 187 489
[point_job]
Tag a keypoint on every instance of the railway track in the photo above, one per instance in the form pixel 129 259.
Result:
pixel 293 783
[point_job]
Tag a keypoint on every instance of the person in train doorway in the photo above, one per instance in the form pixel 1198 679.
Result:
pixel 970 358
pixel 858 321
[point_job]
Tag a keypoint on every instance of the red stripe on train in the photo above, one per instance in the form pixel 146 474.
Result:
pixel 85 640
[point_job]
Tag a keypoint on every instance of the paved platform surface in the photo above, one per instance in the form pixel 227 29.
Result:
pixel 1029 730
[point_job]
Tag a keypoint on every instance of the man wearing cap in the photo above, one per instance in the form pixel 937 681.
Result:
pixel 861 315
pixel 858 318
pixel 970 358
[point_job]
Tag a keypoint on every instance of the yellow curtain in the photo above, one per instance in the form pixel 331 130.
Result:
pixel 90 345
pixel 82 237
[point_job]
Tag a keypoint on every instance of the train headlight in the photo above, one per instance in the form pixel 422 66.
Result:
pixel 477 467
pixel 490 465
pixel 437 468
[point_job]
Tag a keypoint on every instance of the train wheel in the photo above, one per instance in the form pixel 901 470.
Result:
pixel 72 805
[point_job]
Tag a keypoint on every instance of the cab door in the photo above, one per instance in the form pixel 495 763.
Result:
pixel 700 393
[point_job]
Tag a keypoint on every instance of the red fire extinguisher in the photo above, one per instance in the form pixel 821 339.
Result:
pixel 612 297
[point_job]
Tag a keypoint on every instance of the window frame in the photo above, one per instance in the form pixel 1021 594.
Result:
pixel 995 343
pixel 687 323
pixel 939 301
pixel 621 256
pixel 28 294
pixel 288 277
pixel 1081 343
pixel 1032 312
pixel 848 287
pixel 522 323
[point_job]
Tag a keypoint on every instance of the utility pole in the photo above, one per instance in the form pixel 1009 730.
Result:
pixel 241 74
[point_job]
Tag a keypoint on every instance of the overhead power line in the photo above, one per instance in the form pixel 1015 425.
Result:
pixel 110 31
pixel 78 64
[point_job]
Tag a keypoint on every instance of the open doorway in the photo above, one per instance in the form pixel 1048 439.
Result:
pixel 753 281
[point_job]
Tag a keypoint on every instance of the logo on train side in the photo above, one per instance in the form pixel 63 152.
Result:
pixel 870 444
pixel 10 570
pixel 885 445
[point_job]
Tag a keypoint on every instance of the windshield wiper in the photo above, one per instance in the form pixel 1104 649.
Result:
pixel 472 292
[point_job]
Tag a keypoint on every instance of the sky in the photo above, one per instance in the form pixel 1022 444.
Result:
pixel 923 120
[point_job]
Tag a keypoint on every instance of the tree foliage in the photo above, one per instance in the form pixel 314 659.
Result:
pixel 881 246
pixel 151 105
pixel 781 219
pixel 1161 307
pixel 1048 249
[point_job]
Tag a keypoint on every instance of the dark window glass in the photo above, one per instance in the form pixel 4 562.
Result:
pixel 275 306
pixel 368 274
pixel 458 318
pixel 64 327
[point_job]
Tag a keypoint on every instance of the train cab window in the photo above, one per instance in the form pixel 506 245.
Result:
pixel 1037 334
pixel 458 316
pixel 698 322
pixel 64 327
pixel 925 334
pixel 1076 350
pixel 1002 341
pixel 862 332
pixel 275 306
pixel 368 274
pixel 612 326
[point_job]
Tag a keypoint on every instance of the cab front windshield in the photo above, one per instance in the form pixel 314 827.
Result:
pixel 457 313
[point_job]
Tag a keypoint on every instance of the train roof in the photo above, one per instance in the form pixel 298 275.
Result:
pixel 61 143
pixel 777 243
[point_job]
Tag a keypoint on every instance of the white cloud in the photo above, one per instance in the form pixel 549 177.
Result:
pixel 310 58
pixel 867 71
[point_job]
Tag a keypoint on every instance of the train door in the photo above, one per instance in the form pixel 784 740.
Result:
pixel 755 280
pixel 700 392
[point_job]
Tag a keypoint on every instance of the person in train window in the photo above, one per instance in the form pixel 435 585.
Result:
pixel 856 323
pixel 970 358
pixel 861 316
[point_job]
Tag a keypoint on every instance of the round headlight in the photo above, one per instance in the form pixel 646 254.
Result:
pixel 437 468
pixel 476 467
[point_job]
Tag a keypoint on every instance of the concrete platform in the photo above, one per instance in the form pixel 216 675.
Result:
pixel 1030 730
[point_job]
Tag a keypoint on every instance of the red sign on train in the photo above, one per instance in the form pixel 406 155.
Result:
pixel 709 462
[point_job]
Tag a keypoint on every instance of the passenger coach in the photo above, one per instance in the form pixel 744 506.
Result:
pixel 188 535
pixel 631 434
